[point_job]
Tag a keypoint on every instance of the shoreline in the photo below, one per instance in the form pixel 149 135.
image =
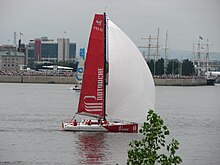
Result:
pixel 37 79
pixel 194 81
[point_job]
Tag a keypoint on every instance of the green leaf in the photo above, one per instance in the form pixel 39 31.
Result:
pixel 146 150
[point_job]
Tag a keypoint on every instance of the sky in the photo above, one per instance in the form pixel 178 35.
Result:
pixel 185 20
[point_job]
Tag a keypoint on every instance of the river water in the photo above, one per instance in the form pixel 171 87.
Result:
pixel 31 116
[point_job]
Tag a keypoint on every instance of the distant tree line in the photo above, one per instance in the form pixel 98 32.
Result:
pixel 174 67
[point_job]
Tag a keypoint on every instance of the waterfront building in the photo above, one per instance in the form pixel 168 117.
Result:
pixel 44 49
pixel 11 59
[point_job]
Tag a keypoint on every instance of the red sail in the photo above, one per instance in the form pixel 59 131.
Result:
pixel 91 100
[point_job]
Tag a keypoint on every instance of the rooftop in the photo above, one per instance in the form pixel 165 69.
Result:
pixel 11 53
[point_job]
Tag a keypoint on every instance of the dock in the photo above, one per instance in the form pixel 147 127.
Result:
pixel 194 81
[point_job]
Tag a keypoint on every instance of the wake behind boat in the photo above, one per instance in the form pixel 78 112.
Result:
pixel 131 90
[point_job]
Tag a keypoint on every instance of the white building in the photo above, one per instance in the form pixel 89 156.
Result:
pixel 63 49
pixel 10 59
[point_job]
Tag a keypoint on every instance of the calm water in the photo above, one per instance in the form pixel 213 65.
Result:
pixel 31 115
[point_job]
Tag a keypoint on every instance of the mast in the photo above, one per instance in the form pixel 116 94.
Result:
pixel 207 56
pixel 149 45
pixel 152 45
pixel 157 47
pixel 165 54
pixel 105 71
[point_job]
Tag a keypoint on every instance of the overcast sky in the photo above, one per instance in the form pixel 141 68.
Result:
pixel 184 20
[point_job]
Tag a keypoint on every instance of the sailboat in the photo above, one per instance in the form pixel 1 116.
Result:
pixel 117 86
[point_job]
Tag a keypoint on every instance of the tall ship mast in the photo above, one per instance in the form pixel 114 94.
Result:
pixel 201 60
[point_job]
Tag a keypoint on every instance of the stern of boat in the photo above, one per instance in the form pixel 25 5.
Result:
pixel 129 128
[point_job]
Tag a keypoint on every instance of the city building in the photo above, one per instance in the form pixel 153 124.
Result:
pixel 11 59
pixel 44 49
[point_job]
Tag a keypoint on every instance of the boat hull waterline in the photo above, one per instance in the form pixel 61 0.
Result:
pixel 111 127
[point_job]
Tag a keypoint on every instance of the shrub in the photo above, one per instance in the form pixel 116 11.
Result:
pixel 149 150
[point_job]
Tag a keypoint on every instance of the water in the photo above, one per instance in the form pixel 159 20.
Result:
pixel 31 115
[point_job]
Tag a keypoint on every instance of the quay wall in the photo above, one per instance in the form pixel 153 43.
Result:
pixel 72 80
pixel 38 79
pixel 180 82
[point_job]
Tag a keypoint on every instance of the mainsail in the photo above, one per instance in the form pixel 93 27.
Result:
pixel 92 92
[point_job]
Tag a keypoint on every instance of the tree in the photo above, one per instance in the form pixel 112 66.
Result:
pixel 160 67
pixel 188 68
pixel 156 67
pixel 147 151
pixel 31 64
pixel 173 67
pixel 151 66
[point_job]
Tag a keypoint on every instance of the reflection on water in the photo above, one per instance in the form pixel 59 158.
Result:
pixel 91 147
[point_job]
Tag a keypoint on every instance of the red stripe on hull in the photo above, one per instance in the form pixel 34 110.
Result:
pixel 130 128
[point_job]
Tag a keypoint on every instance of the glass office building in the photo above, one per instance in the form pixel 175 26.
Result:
pixel 44 49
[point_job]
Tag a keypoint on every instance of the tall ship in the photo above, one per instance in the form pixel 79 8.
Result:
pixel 202 61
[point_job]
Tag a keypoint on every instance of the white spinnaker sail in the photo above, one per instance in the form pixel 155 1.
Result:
pixel 131 90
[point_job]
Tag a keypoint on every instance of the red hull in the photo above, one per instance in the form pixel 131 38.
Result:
pixel 130 128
